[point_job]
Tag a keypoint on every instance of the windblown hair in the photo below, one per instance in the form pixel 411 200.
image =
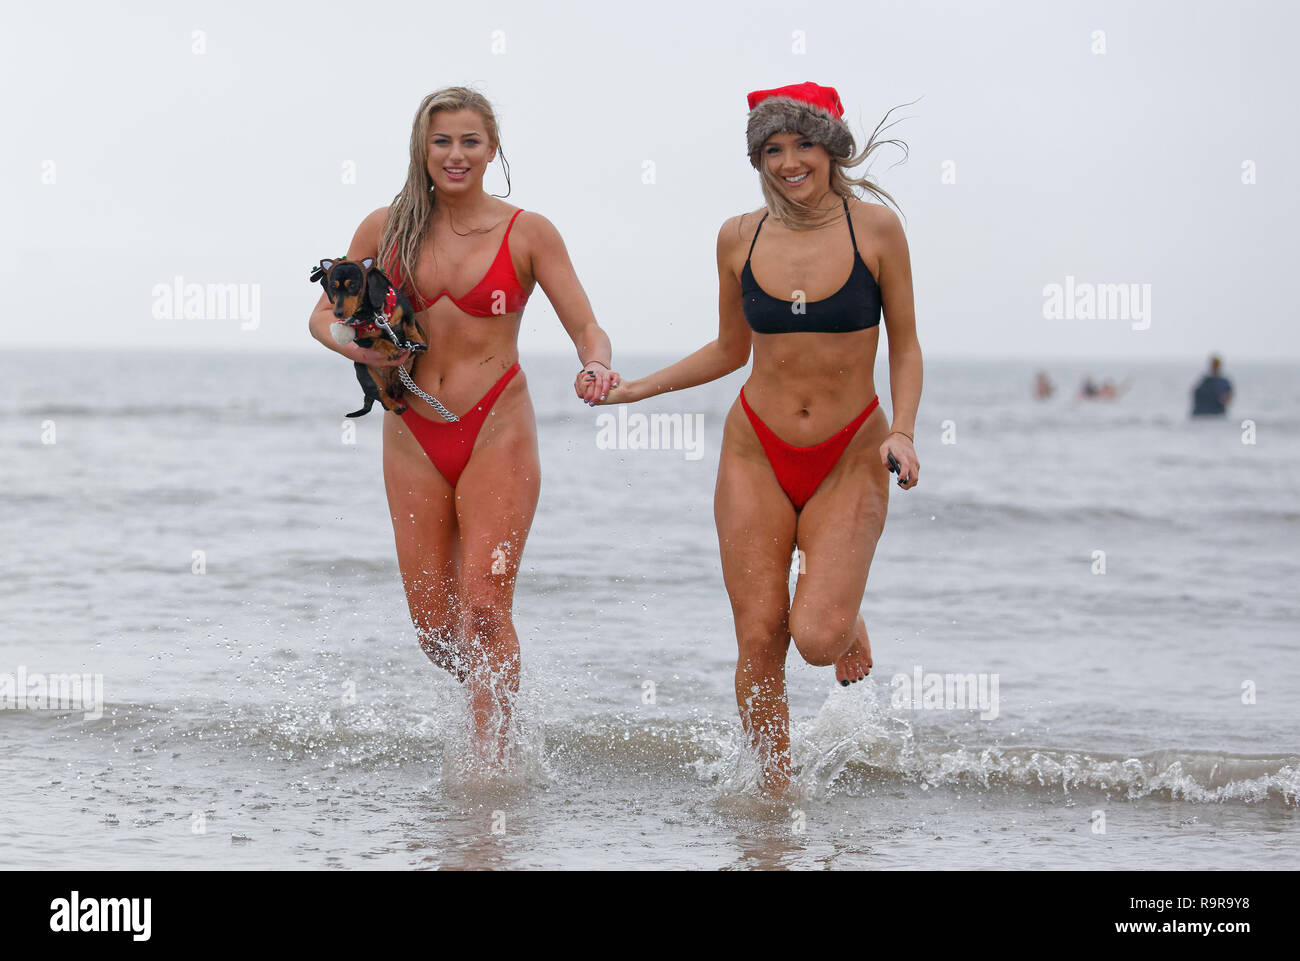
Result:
pixel 799 216
pixel 412 209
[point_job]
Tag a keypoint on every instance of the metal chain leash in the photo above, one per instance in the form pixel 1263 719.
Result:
pixel 427 398
pixel 381 318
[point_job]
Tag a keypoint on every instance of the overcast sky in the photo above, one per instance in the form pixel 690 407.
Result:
pixel 1101 141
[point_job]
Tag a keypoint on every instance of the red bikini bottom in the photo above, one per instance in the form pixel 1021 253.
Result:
pixel 800 470
pixel 449 445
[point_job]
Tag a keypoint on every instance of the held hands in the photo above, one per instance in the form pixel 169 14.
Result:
pixel 594 383
pixel 909 468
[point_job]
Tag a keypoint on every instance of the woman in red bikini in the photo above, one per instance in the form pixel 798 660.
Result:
pixel 805 448
pixel 462 493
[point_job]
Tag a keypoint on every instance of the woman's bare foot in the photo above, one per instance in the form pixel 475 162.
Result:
pixel 856 662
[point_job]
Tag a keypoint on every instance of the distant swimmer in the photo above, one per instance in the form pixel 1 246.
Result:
pixel 1043 386
pixel 1106 390
pixel 1213 394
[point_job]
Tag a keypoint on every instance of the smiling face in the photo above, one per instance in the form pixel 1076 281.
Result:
pixel 800 168
pixel 459 151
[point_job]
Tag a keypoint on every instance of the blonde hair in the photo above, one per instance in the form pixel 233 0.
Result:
pixel 412 209
pixel 800 216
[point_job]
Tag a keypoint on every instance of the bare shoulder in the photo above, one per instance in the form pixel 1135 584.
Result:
pixel 532 224
pixel 877 219
pixel 534 232
pixel 377 218
pixel 365 242
pixel 734 233
pixel 536 243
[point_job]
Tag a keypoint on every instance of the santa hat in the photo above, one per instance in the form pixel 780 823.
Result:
pixel 807 109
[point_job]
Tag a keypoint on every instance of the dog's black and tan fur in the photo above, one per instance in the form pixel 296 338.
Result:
pixel 357 289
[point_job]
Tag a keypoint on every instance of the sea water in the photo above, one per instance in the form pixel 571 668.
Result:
pixel 197 532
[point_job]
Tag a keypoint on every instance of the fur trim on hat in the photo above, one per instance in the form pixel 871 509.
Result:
pixel 787 115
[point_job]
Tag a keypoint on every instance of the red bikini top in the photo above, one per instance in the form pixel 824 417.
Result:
pixel 498 293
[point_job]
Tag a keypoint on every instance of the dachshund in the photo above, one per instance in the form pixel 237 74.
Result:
pixel 373 313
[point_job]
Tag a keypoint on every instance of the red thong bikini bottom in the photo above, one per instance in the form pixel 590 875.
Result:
pixel 449 445
pixel 800 470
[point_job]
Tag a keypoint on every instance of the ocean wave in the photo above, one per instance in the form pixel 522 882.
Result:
pixel 856 736
pixel 1001 417
pixel 1171 775
pixel 159 408
pixel 851 746
pixel 966 512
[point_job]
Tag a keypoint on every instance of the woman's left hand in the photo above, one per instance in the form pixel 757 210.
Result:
pixel 594 382
pixel 909 468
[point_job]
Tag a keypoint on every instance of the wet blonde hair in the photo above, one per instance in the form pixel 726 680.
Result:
pixel 799 216
pixel 412 209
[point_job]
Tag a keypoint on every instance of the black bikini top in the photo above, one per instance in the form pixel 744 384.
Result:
pixel 855 306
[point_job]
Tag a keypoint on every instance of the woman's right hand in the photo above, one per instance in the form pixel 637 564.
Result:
pixel 374 358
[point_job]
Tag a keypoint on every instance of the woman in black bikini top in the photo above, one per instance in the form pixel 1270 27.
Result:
pixel 855 306
pixel 811 470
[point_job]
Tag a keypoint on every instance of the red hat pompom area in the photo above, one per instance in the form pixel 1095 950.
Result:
pixel 805 108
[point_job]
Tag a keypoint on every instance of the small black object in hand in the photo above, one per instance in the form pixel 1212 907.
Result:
pixel 895 468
